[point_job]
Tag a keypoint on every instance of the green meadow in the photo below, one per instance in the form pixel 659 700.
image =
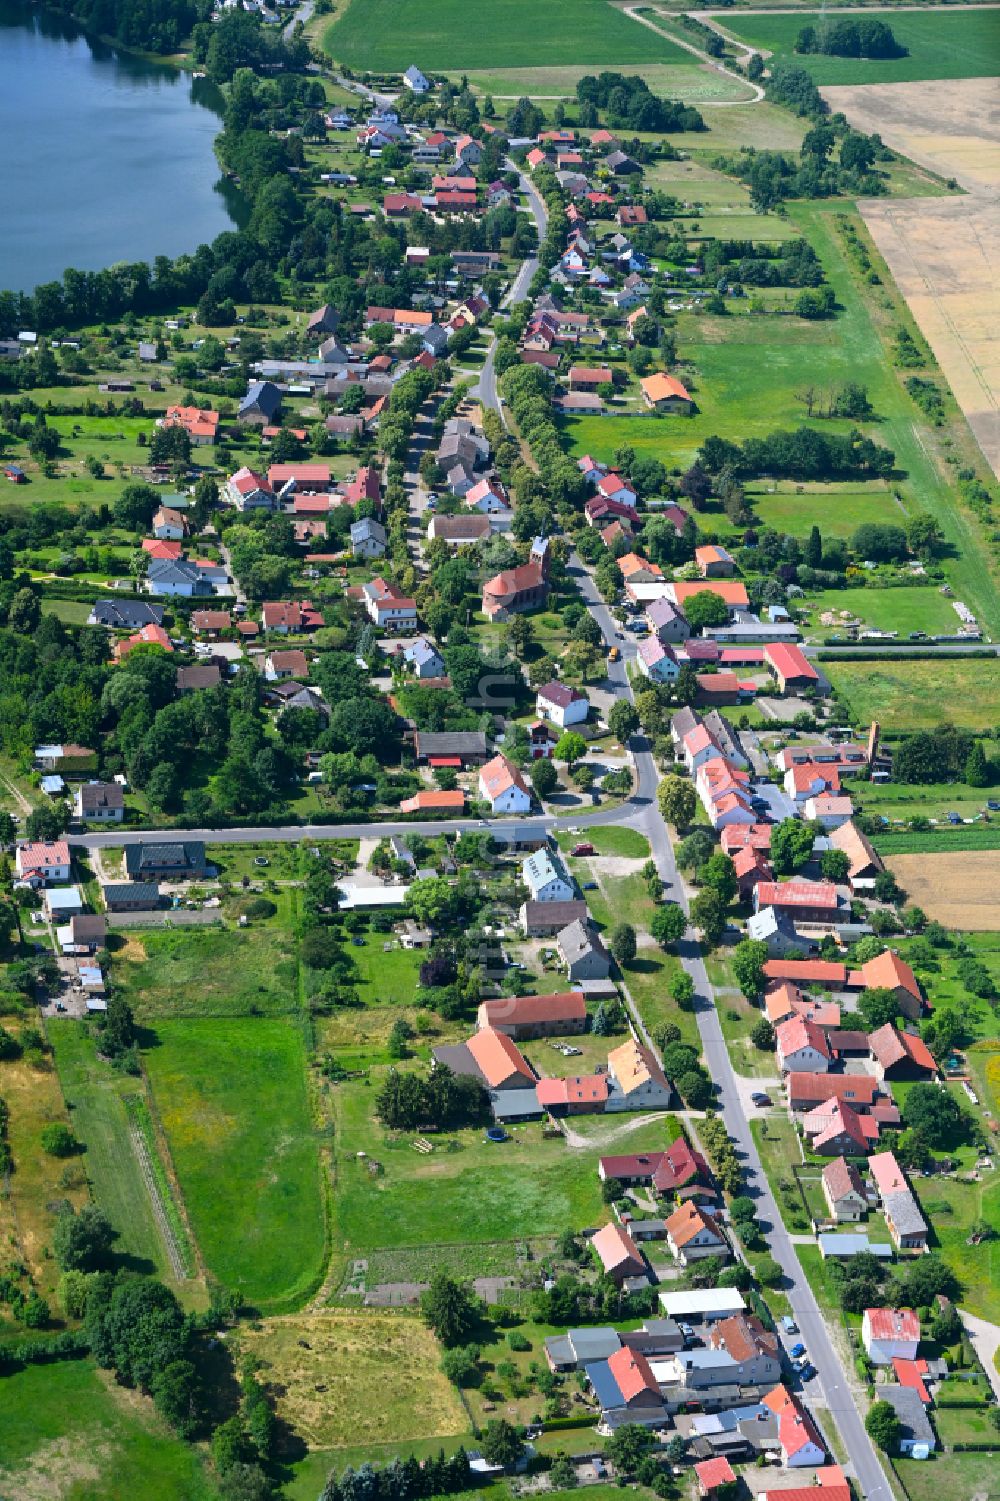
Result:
pixel 919 695
pixel 233 1100
pixel 961 44
pixel 447 35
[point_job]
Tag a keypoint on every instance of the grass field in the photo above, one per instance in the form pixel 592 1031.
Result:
pixel 961 45
pixel 202 972
pixel 679 79
pixel 616 839
pixel 960 890
pixel 467 1191
pixel 919 695
pixel 442 35
pixel 957 1206
pixel 69 1434
pixel 232 1098
pixel 913 607
pixel 956 1475
pixel 385 978
pixel 95 1096
pixel 344 1388
pixel 795 508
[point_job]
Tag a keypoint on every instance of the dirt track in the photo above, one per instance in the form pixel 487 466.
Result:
pixel 944 252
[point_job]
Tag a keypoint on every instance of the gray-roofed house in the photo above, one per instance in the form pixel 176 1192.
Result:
pixel 368 538
pixel 434 339
pixel 574 1349
pixel 423 659
pixel 131 896
pixel 667 622
pixel 182 579
pixel 466 745
pixel 199 675
pixel 415 80
pixel 260 405
pixel 542 919
pixel 546 877
pixel 583 953
pixel 916 1435
pixel 124 614
pixel 100 802
pixel 325 320
pixel 88 930
pixel 169 860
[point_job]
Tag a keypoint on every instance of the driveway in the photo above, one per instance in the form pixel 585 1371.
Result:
pixel 985 1339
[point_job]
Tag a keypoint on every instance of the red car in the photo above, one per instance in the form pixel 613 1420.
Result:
pixel 583 849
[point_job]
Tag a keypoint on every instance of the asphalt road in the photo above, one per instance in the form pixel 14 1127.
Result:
pixel 830 1376
pixel 516 292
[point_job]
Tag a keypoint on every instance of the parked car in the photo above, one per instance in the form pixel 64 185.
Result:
pixel 807 1372
pixel 954 817
pixel 993 804
pixel 797 1350
pixel 760 1098
pixel 590 886
pixel 789 1325
pixel 583 849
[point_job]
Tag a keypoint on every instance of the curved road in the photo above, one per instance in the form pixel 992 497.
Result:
pixel 517 291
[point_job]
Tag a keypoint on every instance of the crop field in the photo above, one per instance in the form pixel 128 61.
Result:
pixel 938 251
pixel 936 841
pixel 340 1379
pixel 68 1433
pixel 939 45
pixel 232 1098
pixel 918 695
pixel 202 972
pixel 446 35
pixel 960 890
pixel 677 79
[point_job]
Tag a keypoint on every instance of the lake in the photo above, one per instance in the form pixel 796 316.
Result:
pixel 107 157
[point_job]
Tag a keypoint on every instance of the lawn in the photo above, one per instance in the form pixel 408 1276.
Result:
pixel 467 1191
pixel 68 1433
pixel 737 1019
pixel 202 972
pixel 919 695
pixel 838 510
pixel 901 801
pixel 951 1207
pixel 612 839
pixel 958 1475
pixel 778 1146
pixel 911 607
pixel 962 45
pixel 679 80
pixel 389 979
pixel 95 1096
pixel 338 1375
pixel 444 35
pixel 232 1098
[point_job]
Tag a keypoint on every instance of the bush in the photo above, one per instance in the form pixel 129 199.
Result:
pixel 59 1141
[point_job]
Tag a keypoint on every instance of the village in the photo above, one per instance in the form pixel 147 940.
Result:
pixel 504 807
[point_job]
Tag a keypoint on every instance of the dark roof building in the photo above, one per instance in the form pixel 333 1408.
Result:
pixel 170 860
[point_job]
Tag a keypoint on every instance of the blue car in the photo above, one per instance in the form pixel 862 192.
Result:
pixel 807 1372
pixel 797 1350
pixel 954 817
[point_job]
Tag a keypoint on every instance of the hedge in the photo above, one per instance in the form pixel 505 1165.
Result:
pixel 555 1425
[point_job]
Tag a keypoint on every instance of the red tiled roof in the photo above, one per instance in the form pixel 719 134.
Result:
pixel 911 1373
pixel 892 1323
pixel 714 1472
pixel 615 1247
pixel 580 1089
pixel 807 971
pixel 497 1057
pixel 526 1010
pixel 890 971
pixel 797 894
pixel 632 1372
pixel 857 1089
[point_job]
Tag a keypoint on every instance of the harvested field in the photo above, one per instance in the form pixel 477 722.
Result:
pixel 341 1383
pixel 943 252
pixel 960 890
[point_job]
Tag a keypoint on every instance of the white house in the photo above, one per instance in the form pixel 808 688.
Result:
pixel 423 659
pixel 168 525
pixel 503 787
pixel 565 706
pixel 657 661
pixel 890 1334
pixel 801 1047
pixel 637 1081
pixel 182 579
pixel 546 879
pixel 692 1234
pixel 43 863
pixel 488 498
pixel 415 80
pixel 387 607
pixel 368 538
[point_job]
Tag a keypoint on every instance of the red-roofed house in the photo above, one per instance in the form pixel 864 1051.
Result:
pixel 807 901
pixel 711 1473
pixel 825 973
pixel 890 972
pixel 692 1234
pixel 618 1253
pixel 755 836
pixel 499 1060
pixel 200 424
pixel 790 666
pixel 830 1486
pixel 503 787
pixel 284 616
pixel 43 863
pixel 800 1044
pixel 800 1442
pixel 434 802
pixel 806 780
pixel 890 1334
pixel 578 1095
pixel 912 1373
pixel 808 1090
pixel 536 1015
pixel 837 1129
pixel 515 590
pixel 844 1191
pixel 900 1055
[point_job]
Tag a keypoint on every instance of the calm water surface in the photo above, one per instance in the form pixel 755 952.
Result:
pixel 103 157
